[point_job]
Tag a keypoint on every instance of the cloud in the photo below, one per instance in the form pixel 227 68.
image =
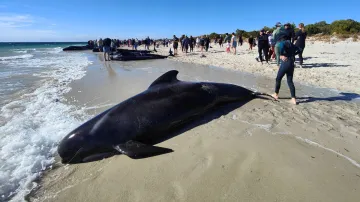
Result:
pixel 15 20
pixel 20 27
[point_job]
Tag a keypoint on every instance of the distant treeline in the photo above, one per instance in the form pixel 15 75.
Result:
pixel 342 27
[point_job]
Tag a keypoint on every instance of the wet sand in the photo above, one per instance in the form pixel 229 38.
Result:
pixel 257 151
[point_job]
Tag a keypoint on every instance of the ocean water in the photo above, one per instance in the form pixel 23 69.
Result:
pixel 33 117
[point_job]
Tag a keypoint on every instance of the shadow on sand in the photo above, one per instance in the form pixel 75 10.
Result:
pixel 341 97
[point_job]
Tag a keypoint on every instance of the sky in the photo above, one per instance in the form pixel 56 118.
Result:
pixel 81 20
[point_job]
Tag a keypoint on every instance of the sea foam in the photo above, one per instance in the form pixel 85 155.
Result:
pixel 36 122
pixel 14 57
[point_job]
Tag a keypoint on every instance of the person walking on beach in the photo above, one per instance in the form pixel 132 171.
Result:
pixel 202 44
pixel 107 48
pixel 240 40
pixel 221 41
pixel 263 46
pixel 136 43
pixel 181 42
pixel 272 47
pixel 233 42
pixel 287 53
pixel 276 35
pixel 290 32
pixel 100 45
pixel 175 44
pixel 300 38
pixel 227 38
pixel 186 44
pixel 197 42
pixel 192 43
pixel 207 43
pixel 251 42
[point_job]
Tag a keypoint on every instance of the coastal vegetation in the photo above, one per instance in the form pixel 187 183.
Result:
pixel 341 28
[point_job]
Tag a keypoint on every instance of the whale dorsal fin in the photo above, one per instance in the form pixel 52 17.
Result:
pixel 167 78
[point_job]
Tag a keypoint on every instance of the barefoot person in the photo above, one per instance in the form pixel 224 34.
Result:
pixel 300 38
pixel 107 48
pixel 251 42
pixel 175 44
pixel 233 42
pixel 287 56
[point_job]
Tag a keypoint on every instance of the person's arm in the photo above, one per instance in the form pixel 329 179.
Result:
pixel 297 34
pixel 297 50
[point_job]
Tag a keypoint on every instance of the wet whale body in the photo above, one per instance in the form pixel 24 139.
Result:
pixel 130 126
pixel 135 56
pixel 78 48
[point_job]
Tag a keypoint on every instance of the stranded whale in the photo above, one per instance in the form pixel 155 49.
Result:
pixel 130 126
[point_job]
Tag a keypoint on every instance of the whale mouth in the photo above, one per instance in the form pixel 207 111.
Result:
pixel 69 160
pixel 84 155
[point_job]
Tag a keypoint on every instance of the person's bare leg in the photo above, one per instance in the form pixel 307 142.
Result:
pixel 293 101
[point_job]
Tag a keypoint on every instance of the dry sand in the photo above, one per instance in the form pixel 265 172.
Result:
pixel 261 151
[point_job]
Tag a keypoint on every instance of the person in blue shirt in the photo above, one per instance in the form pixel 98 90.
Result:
pixel 287 56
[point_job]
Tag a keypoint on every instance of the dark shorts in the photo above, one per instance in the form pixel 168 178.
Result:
pixel 106 49
pixel 175 46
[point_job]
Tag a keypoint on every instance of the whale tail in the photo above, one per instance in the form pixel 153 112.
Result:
pixel 263 96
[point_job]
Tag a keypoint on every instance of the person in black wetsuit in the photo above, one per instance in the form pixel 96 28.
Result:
pixel 287 56
pixel 300 38
pixel 263 46
pixel 175 44
pixel 186 44
pixel 207 43
pixel 290 32
pixel 221 41
pixel 240 40
pixel 181 42
pixel 192 43
pixel 251 42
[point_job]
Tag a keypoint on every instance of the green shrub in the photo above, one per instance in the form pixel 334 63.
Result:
pixel 345 26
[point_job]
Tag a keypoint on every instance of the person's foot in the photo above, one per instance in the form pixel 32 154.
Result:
pixel 293 101
pixel 275 96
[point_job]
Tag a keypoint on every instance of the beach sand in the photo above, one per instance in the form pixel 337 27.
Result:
pixel 260 151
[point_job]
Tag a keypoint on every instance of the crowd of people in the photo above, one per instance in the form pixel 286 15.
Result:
pixel 280 45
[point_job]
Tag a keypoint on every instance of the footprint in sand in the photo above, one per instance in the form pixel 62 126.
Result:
pixel 179 192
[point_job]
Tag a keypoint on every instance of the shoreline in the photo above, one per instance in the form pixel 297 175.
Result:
pixel 270 150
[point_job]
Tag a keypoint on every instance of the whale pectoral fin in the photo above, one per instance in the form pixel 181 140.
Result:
pixel 137 150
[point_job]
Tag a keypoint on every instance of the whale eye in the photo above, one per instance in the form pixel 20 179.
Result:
pixel 71 136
